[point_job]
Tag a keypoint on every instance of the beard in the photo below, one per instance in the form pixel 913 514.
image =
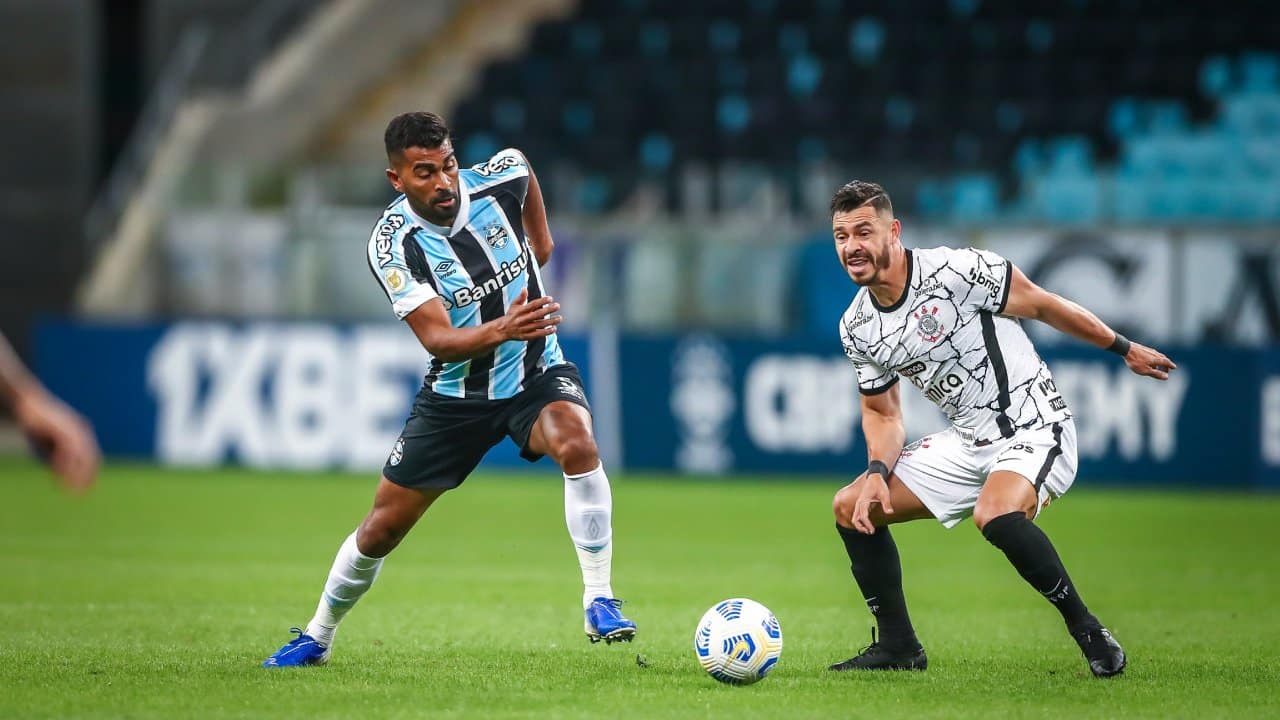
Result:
pixel 436 214
pixel 879 262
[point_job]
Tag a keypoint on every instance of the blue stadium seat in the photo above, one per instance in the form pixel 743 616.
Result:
pixel 1028 159
pixel 1215 76
pixel 476 147
pixel 1260 73
pixel 509 115
pixel 656 152
pixel 866 40
pixel 974 198
pixel 931 198
pixel 1068 200
pixel 1124 119
pixel 1070 156
pixel 732 113
pixel 578 117
pixel 804 74
pixel 585 39
pixel 655 39
pixel 959 86
pixel 1128 198
pixel 793 40
pixel 723 36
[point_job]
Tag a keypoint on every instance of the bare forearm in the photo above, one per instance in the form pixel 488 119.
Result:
pixel 534 217
pixel 15 380
pixel 885 438
pixel 457 344
pixel 1072 319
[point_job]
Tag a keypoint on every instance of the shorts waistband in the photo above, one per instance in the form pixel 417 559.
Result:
pixel 1034 424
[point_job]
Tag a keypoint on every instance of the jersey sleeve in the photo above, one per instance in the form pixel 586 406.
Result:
pixel 981 279
pixel 402 275
pixel 873 378
pixel 508 171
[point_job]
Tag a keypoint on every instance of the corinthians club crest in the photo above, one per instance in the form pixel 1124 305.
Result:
pixel 928 324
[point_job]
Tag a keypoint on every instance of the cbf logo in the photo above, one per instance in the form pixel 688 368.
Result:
pixel 397 453
pixel 496 236
pixel 928 324
pixel 702 402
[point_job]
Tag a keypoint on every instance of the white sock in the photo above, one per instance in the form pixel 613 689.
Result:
pixel 350 577
pixel 588 511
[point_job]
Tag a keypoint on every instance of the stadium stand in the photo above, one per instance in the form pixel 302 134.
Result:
pixel 47 178
pixel 979 108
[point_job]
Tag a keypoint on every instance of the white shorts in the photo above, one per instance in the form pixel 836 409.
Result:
pixel 947 472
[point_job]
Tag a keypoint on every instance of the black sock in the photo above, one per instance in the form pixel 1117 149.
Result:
pixel 1033 556
pixel 876 568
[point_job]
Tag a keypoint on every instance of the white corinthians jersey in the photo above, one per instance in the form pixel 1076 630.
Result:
pixel 946 335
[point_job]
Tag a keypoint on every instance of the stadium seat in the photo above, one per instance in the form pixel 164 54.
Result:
pixel 937 86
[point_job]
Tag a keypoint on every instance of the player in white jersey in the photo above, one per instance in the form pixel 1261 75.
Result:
pixel 948 322
pixel 457 256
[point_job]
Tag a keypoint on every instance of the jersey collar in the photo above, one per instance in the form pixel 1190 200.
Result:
pixel 459 221
pixel 906 289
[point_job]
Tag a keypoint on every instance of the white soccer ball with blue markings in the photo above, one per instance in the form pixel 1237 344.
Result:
pixel 738 641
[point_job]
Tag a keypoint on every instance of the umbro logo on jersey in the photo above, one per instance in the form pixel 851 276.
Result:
pixel 496 236
pixel 445 269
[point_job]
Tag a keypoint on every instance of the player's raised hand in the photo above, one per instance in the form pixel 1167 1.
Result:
pixel 874 491
pixel 1148 361
pixel 526 320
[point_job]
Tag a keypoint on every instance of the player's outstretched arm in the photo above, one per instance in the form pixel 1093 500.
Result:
pixel 57 431
pixel 1028 300
pixel 534 218
pixel 524 321
pixel 885 434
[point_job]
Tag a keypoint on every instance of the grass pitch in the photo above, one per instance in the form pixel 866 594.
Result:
pixel 160 593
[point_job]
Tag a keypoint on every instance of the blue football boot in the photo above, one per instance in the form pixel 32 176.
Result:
pixel 605 621
pixel 302 650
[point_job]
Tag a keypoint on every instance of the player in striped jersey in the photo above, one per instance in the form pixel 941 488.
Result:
pixel 458 255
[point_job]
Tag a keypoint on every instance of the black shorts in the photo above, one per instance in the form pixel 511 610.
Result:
pixel 445 437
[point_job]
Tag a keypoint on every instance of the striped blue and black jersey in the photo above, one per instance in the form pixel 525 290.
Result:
pixel 476 268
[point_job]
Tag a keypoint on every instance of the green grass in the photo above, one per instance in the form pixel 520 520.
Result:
pixel 159 594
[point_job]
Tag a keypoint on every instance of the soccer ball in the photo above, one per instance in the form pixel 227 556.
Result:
pixel 738 641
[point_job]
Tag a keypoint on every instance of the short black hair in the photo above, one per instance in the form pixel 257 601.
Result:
pixel 856 193
pixel 415 129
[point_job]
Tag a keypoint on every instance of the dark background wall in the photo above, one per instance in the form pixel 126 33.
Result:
pixel 73 84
